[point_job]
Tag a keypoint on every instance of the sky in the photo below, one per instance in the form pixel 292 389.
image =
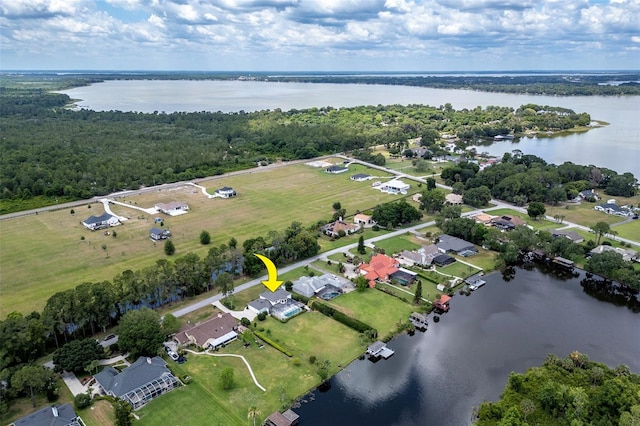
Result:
pixel 320 35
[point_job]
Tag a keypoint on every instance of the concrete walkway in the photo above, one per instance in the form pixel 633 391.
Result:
pixel 234 356
pixel 248 314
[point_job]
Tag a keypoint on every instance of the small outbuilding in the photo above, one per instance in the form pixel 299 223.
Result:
pixel 225 192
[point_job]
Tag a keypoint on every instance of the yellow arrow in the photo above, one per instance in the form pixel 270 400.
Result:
pixel 272 283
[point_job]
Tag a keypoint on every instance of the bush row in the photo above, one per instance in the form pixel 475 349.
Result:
pixel 343 318
pixel 272 343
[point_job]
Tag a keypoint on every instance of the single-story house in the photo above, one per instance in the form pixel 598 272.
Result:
pixel 454 199
pixel 173 208
pixel 225 192
pixel 588 194
pixel 483 218
pixel 423 256
pixel 448 244
pixel 57 415
pixel 361 177
pixel 394 186
pixel 142 381
pixel 158 234
pixel 333 229
pixel 287 418
pixel 363 220
pixel 212 333
pixel 336 168
pixel 100 222
pixel 612 208
pixel 571 235
pixel 308 286
pixel 443 260
pixel 507 223
pixel 627 254
pixel 379 268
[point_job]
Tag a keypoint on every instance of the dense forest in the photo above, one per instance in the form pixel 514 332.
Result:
pixel 50 151
pixel 552 83
pixel 570 391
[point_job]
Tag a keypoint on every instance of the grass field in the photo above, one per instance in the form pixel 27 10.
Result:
pixel 375 308
pixel 398 244
pixel 203 401
pixel 584 214
pixel 43 254
pixel 630 230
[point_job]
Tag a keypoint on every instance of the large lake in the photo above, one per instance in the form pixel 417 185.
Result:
pixel 437 377
pixel 616 146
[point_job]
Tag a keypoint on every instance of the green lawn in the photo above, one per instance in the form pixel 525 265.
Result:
pixel 203 401
pixel 630 230
pixel 584 214
pixel 398 244
pixel 458 269
pixel 43 254
pixel 375 308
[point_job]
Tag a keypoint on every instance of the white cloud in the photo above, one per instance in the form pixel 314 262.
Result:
pixel 424 31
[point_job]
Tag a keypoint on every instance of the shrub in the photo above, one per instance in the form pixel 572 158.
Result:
pixel 262 316
pixel 343 318
pixel 82 400
pixel 245 321
pixel 275 345
pixel 312 359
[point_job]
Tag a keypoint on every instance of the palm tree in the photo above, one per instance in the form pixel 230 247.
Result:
pixel 253 413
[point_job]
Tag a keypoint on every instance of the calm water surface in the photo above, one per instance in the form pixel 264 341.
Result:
pixel 437 377
pixel 616 146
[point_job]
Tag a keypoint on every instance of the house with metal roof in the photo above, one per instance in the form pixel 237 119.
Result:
pixel 142 381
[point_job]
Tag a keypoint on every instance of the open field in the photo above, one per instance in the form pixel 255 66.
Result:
pixel 43 254
pixel 398 244
pixel 375 308
pixel 630 230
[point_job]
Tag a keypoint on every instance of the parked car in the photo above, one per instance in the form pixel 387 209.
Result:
pixel 174 356
pixel 109 337
pixel 181 360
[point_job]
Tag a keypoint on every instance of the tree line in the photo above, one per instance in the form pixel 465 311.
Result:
pixel 52 153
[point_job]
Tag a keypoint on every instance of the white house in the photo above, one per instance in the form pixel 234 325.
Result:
pixel 395 186
pixel 361 177
pixel 225 192
pixel 173 208
pixel 363 220
pixel 100 222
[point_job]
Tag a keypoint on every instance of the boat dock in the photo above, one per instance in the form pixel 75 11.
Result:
pixel 419 321
pixel 379 350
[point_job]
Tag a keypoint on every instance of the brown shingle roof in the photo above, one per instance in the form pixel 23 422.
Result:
pixel 212 328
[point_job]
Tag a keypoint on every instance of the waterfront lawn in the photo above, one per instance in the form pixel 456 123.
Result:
pixel 458 269
pixel 485 259
pixel 397 244
pixel 379 310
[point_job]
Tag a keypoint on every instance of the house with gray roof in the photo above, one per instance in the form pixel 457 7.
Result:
pixel 142 381
pixel 58 415
pixel 570 235
pixel 259 305
pixel 448 244
pixel 612 208
pixel 103 221
pixel 308 286
pixel 361 177
pixel 423 256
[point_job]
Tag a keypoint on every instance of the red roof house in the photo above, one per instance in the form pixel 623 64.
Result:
pixel 380 268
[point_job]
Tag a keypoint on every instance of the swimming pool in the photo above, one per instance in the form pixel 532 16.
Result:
pixel 329 295
pixel 291 312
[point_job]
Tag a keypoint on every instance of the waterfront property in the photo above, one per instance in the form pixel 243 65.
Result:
pixel 379 350
pixel 280 304
pixel 103 221
pixel 57 415
pixel 627 254
pixel 448 244
pixel 213 333
pixel 286 418
pixel 142 381
pixel 442 304
pixel 418 320
pixel 562 262
pixel 475 282
pixel 173 208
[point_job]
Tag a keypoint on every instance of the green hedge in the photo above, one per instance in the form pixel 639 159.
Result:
pixel 272 343
pixel 343 318
pixel 299 298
